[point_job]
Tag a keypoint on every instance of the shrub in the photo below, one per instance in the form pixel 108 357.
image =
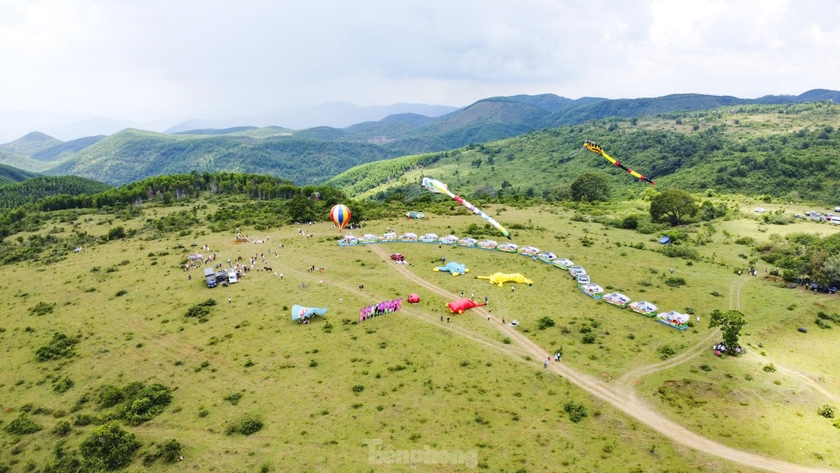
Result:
pixel 233 398
pixel 358 388
pixel 770 368
pixel 826 411
pixel 675 281
pixel 63 385
pixel 588 339
pixel 545 323
pixel 576 411
pixel 23 425
pixel 666 351
pixel 109 447
pixel 200 310
pixel 59 347
pixel 42 308
pixel 62 428
pixel 246 426
pixel 121 292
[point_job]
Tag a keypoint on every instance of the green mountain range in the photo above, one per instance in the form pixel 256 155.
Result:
pixel 315 155
pixel 784 151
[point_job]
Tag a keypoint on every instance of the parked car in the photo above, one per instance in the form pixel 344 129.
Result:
pixel 232 277
pixel 210 277
pixel 397 257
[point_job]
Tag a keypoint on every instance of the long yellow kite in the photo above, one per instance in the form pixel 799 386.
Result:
pixel 596 148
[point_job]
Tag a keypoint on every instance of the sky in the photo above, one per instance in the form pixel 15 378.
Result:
pixel 178 59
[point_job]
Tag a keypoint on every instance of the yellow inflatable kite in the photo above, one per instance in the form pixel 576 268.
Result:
pixel 500 279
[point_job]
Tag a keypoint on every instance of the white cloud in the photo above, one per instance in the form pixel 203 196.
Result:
pixel 215 59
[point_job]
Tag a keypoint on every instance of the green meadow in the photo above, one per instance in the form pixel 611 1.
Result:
pixel 253 391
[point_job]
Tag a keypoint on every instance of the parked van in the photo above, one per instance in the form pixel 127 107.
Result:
pixel 210 277
pixel 232 279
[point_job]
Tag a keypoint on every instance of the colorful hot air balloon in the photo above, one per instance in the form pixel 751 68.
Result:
pixel 340 214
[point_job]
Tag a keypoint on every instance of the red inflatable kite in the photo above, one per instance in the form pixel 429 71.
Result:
pixel 413 298
pixel 461 305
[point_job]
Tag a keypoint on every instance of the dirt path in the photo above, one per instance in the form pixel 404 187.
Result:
pixel 619 395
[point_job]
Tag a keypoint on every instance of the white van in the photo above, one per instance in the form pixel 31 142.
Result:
pixel 232 279
pixel 576 271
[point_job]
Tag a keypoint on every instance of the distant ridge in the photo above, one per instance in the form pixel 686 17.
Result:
pixel 67 148
pixel 216 131
pixel 31 143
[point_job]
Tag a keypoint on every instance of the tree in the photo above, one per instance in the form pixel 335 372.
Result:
pixel 730 323
pixel 109 447
pixel 673 205
pixel 590 187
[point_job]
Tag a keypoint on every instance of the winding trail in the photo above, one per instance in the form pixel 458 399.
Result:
pixel 620 395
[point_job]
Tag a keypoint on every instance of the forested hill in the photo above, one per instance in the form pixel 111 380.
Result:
pixel 317 154
pixel 132 155
pixel 9 175
pixel 36 188
pixel 785 151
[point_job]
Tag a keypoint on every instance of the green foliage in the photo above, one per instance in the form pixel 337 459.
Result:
pixel 201 310
pixel 730 323
pixel 246 426
pixel 577 412
pixel 109 447
pixel 62 428
pixel 826 411
pixel 233 398
pixel 673 206
pixel 675 281
pixel 358 388
pixel 63 385
pixel 590 187
pixel 61 346
pixel 35 189
pixel 22 425
pixel 137 403
pixel 546 322
pixel 42 308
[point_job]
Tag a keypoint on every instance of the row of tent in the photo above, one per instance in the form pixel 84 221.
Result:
pixel 671 318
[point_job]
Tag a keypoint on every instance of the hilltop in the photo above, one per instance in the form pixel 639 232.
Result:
pixel 314 155
pixel 784 152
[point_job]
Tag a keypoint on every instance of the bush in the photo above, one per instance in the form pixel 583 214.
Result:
pixel 246 426
pixel 59 347
pixel 109 447
pixel 233 398
pixel 826 411
pixel 63 385
pixel 200 310
pixel 675 281
pixel 358 388
pixel 576 411
pixel 588 339
pixel 770 368
pixel 121 292
pixel 62 428
pixel 42 308
pixel 666 351
pixel 545 323
pixel 23 425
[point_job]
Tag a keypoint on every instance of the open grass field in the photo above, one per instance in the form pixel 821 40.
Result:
pixel 338 395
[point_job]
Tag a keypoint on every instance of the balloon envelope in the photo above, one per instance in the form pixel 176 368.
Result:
pixel 340 214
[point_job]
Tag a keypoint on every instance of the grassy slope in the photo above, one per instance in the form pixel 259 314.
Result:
pixel 23 162
pixel 313 419
pixel 758 141
pixel 131 155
